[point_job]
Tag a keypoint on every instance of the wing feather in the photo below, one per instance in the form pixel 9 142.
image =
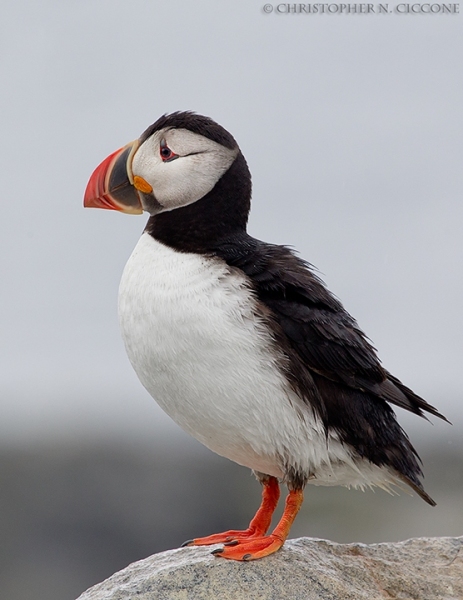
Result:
pixel 322 334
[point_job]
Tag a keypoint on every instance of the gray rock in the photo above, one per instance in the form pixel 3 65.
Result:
pixel 305 569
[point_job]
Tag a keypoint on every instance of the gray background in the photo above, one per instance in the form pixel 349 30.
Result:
pixel 352 127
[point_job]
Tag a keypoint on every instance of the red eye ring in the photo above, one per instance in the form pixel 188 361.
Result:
pixel 166 153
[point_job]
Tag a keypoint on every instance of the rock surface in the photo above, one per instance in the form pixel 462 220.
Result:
pixel 305 569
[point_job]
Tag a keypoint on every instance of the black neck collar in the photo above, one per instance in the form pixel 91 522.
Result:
pixel 221 213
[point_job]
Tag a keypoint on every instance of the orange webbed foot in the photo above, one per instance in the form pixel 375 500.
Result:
pixel 252 543
pixel 227 537
pixel 258 547
pixel 259 525
pixel 253 549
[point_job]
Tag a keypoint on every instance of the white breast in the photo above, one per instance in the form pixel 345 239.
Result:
pixel 192 334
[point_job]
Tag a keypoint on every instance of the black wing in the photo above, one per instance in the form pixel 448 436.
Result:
pixel 331 362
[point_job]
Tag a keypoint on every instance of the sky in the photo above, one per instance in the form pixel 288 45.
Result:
pixel 352 127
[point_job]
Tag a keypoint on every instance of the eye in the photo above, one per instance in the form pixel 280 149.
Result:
pixel 166 153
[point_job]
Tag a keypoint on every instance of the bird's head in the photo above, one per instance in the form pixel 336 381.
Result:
pixel 179 160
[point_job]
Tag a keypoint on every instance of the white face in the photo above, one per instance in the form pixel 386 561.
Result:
pixel 186 174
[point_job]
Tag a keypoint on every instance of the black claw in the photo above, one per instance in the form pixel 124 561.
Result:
pixel 232 543
pixel 187 543
pixel 217 551
pixel 247 556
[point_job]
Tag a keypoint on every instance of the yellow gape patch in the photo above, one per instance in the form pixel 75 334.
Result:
pixel 142 185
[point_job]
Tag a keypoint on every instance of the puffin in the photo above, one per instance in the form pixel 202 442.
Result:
pixel 239 340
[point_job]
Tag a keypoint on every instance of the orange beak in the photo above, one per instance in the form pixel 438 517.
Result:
pixel 111 184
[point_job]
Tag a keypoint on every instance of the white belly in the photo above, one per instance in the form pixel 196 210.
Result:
pixel 195 342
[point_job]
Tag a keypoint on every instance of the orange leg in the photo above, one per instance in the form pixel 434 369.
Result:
pixel 257 527
pixel 258 547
